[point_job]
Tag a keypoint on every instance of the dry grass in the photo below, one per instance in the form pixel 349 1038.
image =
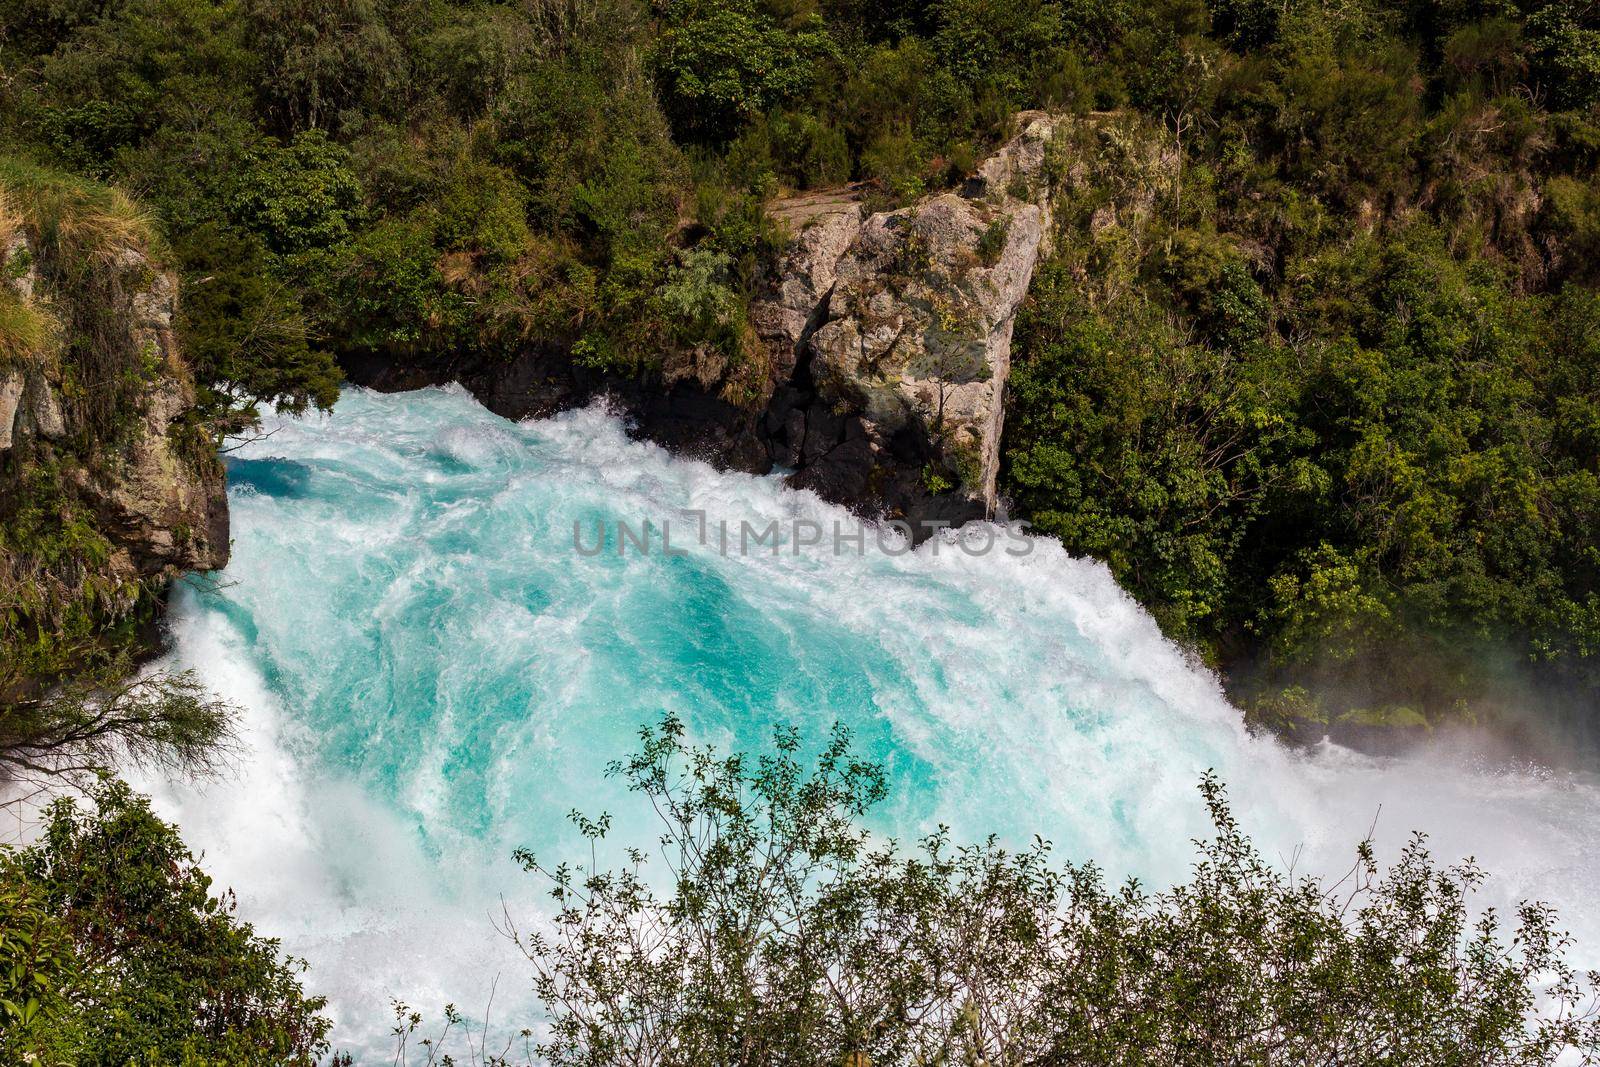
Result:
pixel 76 223
pixel 10 220
pixel 25 331
pixel 81 235
pixel 25 327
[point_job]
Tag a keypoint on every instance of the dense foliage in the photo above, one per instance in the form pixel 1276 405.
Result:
pixel 114 950
pixel 1325 398
pixel 365 176
pixel 1328 409
pixel 780 931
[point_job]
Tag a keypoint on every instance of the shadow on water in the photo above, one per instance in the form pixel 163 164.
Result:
pixel 269 477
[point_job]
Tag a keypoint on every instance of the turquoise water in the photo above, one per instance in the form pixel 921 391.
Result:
pixel 432 675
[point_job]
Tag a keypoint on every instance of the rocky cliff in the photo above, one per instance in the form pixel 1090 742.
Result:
pixel 885 342
pixel 909 339
pixel 108 486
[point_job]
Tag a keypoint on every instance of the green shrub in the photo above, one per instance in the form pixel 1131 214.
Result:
pixel 390 292
pixel 993 41
pixel 992 242
pixel 1572 213
pixel 243 332
pixel 1392 517
pixel 299 197
pixel 812 152
pixel 896 160
pixel 131 958
pixel 324 65
pixel 1566 55
pixel 787 932
pixel 723 62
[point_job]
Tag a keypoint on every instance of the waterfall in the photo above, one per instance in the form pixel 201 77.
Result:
pixel 433 671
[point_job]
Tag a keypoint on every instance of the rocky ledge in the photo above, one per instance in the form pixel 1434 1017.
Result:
pixel 908 343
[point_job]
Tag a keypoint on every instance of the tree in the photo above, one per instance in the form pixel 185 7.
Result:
pixel 85 727
pixel 245 335
pixel 721 63
pixel 299 197
pixel 325 65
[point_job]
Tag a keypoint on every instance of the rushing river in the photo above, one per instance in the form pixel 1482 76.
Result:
pixel 433 673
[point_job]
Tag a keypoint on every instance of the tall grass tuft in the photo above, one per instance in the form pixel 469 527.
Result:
pixel 77 223
pixel 25 327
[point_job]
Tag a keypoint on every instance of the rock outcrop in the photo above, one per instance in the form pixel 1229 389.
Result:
pixel 134 485
pixel 825 226
pixel 163 495
pixel 908 340
pixel 13 383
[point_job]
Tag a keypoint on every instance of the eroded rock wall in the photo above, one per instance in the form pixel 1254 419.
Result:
pixel 99 505
pixel 910 349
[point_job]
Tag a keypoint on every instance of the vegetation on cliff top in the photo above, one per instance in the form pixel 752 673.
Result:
pixel 1329 408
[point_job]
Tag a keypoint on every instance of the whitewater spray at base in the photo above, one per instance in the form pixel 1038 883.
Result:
pixel 431 676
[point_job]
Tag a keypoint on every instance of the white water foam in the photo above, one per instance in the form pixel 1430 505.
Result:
pixel 432 676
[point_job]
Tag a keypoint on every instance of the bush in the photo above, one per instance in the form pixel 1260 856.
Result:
pixel 244 334
pixel 790 934
pixel 812 151
pixel 1566 55
pixel 325 65
pixel 722 63
pixel 299 197
pixel 1137 447
pixel 993 42
pixel 124 956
